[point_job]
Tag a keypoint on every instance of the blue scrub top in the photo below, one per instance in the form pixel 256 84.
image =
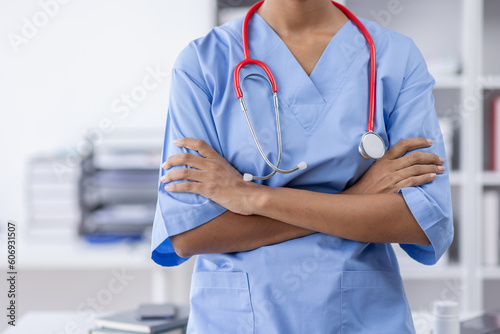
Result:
pixel 319 283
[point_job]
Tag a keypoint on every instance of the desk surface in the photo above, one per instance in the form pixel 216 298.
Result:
pixel 52 323
pixel 58 322
pixel 61 322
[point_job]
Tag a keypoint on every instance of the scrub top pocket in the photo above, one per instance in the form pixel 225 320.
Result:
pixel 374 302
pixel 227 297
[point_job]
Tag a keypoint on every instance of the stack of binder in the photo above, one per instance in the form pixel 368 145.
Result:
pixel 52 193
pixel 119 184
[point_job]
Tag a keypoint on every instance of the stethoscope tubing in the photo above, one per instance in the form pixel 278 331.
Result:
pixel 278 131
pixel 249 61
pixel 367 148
pixel 373 64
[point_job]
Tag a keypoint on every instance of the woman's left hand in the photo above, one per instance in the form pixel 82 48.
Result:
pixel 213 176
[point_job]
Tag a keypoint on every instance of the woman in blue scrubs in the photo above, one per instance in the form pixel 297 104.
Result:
pixel 306 252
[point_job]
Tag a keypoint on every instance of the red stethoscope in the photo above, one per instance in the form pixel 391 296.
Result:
pixel 371 145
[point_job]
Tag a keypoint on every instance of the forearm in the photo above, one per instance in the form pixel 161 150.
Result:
pixel 231 232
pixel 259 215
pixel 381 218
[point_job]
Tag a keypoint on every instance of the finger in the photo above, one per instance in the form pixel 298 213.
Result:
pixel 416 181
pixel 406 145
pixel 188 159
pixel 419 158
pixel 183 174
pixel 198 145
pixel 184 187
pixel 417 170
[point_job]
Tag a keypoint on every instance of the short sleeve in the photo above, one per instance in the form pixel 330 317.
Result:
pixel 189 115
pixel 414 115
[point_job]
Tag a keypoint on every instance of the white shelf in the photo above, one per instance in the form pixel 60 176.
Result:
pixel 492 273
pixel 53 322
pixel 449 82
pixel 490 179
pixel 489 81
pixel 456 178
pixel 437 272
pixel 68 252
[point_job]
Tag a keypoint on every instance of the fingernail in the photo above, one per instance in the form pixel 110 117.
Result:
pixel 430 141
pixel 177 141
pixel 441 168
pixel 168 187
pixel 164 165
pixel 441 160
pixel 163 178
pixel 432 175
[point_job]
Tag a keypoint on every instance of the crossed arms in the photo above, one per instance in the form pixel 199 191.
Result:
pixel 371 210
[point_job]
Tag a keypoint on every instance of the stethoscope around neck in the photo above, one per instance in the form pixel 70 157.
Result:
pixel 371 145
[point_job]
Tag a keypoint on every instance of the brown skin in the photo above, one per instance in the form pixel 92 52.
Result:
pixel 306 26
pixel 369 211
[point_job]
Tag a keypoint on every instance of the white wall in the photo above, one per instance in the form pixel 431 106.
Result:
pixel 62 77
pixel 62 66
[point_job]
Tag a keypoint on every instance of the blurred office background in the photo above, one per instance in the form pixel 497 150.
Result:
pixel 84 94
pixel 73 73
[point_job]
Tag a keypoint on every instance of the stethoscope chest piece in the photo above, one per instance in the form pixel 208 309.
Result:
pixel 371 146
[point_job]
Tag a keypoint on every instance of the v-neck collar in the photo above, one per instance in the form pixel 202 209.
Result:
pixel 293 82
pixel 307 96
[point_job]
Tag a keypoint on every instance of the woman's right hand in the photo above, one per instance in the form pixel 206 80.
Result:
pixel 395 170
